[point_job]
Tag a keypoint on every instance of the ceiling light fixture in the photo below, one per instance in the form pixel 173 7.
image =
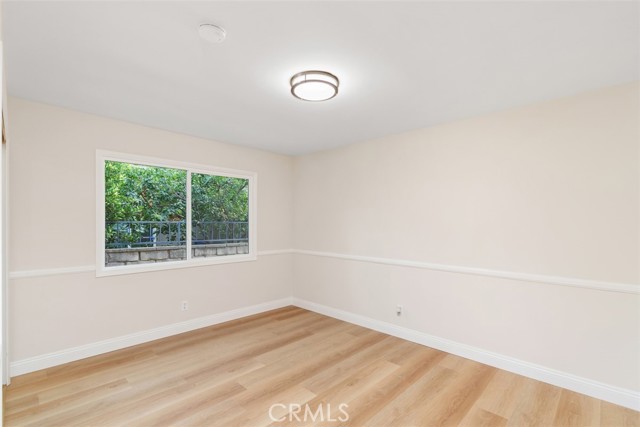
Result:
pixel 314 85
pixel 212 33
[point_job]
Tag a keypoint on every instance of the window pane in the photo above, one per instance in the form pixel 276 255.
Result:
pixel 220 215
pixel 145 214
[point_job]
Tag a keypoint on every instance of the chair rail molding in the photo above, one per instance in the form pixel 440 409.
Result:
pixel 629 288
pixel 43 272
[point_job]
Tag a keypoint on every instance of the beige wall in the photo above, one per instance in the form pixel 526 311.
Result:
pixel 53 203
pixel 550 189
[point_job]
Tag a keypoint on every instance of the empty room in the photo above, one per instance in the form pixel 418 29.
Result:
pixel 320 213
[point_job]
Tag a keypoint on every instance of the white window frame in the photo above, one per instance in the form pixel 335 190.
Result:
pixel 103 156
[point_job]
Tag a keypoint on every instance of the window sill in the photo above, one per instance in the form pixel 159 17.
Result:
pixel 172 265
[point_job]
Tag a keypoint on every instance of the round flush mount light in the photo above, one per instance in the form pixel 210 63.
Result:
pixel 314 85
pixel 212 33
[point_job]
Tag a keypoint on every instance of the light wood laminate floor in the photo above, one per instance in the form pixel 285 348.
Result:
pixel 231 375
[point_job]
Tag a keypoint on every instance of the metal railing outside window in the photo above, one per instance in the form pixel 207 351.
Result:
pixel 145 234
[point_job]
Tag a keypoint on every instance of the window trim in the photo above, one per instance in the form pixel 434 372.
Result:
pixel 102 156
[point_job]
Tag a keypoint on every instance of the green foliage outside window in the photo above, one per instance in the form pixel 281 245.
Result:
pixel 146 193
pixel 219 198
pixel 143 193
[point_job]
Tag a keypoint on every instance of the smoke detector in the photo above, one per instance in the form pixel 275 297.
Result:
pixel 212 33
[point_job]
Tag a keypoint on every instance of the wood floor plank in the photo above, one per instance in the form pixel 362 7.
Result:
pixel 74 381
pixel 183 406
pixel 539 407
pixel 43 411
pixel 232 374
pixel 614 415
pixel 295 374
pixel 480 418
pixel 257 411
pixel 577 410
pixel 315 340
pixel 399 410
pixel 503 393
pixel 219 415
pixel 396 394
pixel 300 358
pixel 337 372
pixel 452 405
pixel 326 404
pixel 190 382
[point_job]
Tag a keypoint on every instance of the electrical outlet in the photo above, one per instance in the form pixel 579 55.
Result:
pixel 398 310
pixel 185 305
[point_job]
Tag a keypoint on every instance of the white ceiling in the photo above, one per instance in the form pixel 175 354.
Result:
pixel 402 65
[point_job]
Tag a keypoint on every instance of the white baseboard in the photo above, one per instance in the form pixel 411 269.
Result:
pixel 44 361
pixel 619 396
